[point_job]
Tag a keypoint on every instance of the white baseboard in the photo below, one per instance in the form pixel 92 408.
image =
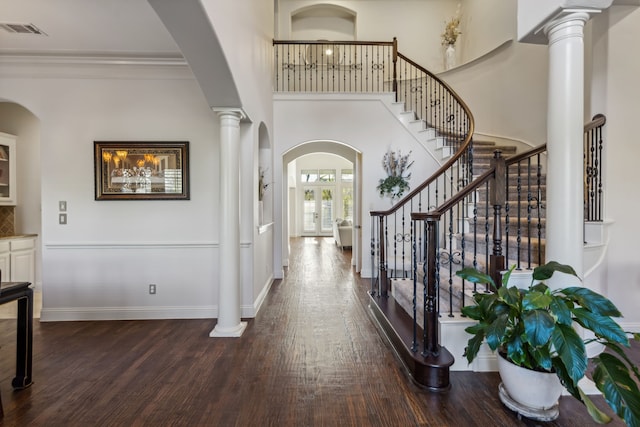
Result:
pixel 454 338
pixel 252 311
pixel 129 313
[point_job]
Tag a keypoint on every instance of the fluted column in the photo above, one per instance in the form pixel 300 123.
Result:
pixel 565 122
pixel 229 324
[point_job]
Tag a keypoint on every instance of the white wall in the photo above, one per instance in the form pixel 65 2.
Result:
pixel 507 92
pixel 245 31
pixel 370 128
pixel 100 264
pixel 615 93
pixel 485 25
pixel 418 25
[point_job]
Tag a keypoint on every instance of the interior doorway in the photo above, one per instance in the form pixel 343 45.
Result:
pixel 316 197
pixel 318 210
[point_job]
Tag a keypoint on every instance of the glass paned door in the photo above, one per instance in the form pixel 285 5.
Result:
pixel 317 210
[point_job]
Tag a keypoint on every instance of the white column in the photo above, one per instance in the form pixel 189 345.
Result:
pixel 565 121
pixel 229 324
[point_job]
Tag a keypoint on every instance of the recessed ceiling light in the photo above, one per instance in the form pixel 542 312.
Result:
pixel 21 29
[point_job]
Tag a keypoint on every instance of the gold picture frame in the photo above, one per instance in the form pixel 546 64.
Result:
pixel 141 170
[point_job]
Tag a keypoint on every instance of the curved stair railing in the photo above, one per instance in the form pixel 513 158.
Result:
pixel 449 119
pixel 510 195
pixel 449 221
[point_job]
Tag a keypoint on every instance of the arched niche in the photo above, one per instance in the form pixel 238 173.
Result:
pixel 323 22
pixel 265 175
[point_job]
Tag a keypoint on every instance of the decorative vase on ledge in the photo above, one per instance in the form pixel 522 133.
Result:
pixel 449 57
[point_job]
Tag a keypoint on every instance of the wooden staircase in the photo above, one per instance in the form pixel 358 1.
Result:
pixel 452 293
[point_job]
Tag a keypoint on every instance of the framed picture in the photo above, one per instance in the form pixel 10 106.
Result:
pixel 141 170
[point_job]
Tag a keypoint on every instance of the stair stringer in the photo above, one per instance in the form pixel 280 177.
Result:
pixel 426 137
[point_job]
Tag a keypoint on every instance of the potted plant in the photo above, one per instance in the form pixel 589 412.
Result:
pixel 533 328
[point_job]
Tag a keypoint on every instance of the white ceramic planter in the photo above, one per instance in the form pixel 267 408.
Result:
pixel 534 390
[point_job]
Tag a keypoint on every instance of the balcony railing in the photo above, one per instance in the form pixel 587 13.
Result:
pixel 323 66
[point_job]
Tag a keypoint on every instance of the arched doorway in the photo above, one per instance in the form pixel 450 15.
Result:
pixel 19 121
pixel 293 188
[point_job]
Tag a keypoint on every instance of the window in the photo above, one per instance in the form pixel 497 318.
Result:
pixel 309 175
pixel 346 175
pixel 347 203
pixel 327 175
pixel 315 175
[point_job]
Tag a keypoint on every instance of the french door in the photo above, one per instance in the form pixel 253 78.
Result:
pixel 317 210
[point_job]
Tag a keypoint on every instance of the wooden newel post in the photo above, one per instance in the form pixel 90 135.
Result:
pixel 382 261
pixel 431 313
pixel 497 198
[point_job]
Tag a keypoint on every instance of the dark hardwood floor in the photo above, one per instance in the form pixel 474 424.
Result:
pixel 311 357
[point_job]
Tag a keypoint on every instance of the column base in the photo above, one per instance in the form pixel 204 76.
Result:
pixel 233 332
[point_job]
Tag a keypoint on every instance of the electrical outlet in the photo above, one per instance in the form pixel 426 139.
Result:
pixel 152 289
pixel 62 218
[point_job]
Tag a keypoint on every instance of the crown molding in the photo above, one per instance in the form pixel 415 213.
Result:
pixel 91 58
pixel 92 65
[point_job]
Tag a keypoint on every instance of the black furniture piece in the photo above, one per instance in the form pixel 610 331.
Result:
pixel 21 292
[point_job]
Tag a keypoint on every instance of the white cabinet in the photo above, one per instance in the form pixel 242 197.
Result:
pixel 7 169
pixel 18 259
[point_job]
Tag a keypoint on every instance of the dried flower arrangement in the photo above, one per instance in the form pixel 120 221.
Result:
pixel 262 184
pixel 452 30
pixel 396 183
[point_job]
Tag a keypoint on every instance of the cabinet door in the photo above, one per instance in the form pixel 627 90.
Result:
pixel 23 266
pixel 7 169
pixel 5 271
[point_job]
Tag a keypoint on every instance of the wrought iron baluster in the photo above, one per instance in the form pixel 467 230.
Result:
pixel 598 165
pixel 540 207
pixel 529 209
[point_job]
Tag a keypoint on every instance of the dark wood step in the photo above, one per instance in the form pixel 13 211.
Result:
pixel 430 371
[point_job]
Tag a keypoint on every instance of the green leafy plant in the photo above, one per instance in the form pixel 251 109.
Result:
pixel 534 328
pixel 396 183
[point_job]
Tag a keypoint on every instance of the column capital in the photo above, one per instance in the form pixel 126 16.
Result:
pixel 233 112
pixel 570 24
pixel 535 17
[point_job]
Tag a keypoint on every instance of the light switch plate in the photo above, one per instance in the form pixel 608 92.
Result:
pixel 62 205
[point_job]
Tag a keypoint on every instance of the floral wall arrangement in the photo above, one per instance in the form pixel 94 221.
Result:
pixel 397 180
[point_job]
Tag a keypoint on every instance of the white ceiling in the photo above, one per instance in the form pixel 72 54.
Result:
pixel 86 27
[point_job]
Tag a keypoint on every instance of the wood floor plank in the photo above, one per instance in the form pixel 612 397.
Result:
pixel 311 357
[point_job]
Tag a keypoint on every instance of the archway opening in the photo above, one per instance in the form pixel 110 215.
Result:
pixel 322 185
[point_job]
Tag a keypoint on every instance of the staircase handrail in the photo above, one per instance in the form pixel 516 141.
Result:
pixel 597 121
pixel 337 42
pixel 439 106
pixel 447 165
